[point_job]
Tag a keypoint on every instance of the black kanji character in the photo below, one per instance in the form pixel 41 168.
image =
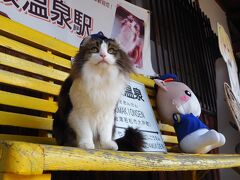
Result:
pixel 137 94
pixel 84 22
pixel 12 1
pixel 148 124
pixel 62 13
pixel 37 7
pixel 128 92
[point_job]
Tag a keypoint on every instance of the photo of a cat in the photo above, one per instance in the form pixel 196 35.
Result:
pixel 128 31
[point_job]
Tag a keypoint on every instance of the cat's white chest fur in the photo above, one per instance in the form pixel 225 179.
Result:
pixel 94 96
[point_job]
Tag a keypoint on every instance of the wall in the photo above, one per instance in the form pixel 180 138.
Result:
pixel 216 14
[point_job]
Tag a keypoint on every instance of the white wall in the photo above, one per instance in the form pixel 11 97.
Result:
pixel 216 14
pixel 224 115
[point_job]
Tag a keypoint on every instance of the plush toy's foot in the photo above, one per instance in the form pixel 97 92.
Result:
pixel 202 141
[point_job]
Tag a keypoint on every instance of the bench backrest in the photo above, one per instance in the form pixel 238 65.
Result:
pixel 32 68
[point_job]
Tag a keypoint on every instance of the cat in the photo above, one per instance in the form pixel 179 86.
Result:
pixel 130 41
pixel 88 97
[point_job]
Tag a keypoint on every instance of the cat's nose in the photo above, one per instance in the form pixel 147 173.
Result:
pixel 103 55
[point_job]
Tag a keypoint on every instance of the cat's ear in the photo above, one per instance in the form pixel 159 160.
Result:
pixel 84 41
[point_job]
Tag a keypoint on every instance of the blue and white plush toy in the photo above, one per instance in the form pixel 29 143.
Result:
pixel 178 106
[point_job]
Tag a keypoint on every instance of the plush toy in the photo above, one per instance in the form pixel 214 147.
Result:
pixel 178 106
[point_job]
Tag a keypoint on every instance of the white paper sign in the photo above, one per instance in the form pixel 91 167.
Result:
pixel 72 20
pixel 134 109
pixel 227 53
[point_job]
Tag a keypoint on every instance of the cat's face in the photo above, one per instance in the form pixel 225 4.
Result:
pixel 130 26
pixel 101 54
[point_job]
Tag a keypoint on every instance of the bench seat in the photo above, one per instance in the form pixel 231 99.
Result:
pixel 29 158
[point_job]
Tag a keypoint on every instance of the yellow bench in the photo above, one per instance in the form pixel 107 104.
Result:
pixel 33 66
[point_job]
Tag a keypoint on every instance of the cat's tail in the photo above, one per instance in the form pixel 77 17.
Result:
pixel 133 140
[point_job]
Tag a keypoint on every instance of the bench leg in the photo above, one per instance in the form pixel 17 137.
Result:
pixel 189 175
pixel 8 176
pixel 237 170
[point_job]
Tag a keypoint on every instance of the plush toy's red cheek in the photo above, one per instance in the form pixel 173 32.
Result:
pixel 184 98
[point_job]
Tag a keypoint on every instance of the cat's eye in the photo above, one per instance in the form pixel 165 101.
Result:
pixel 111 51
pixel 94 50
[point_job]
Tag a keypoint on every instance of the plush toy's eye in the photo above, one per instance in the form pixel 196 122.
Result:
pixel 188 93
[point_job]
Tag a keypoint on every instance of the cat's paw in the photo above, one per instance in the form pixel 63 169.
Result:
pixel 86 145
pixel 111 145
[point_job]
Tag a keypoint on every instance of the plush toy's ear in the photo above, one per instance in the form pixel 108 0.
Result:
pixel 161 84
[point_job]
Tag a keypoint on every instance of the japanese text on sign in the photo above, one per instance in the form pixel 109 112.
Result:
pixel 56 12
pixel 134 110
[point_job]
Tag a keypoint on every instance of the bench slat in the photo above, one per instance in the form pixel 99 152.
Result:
pixel 34 52
pixel 29 83
pixel 8 176
pixel 29 139
pixel 151 92
pixel 22 101
pixel 26 121
pixel 59 158
pixel 170 139
pixel 68 158
pixel 18 63
pixel 153 103
pixel 166 127
pixel 144 80
pixel 36 37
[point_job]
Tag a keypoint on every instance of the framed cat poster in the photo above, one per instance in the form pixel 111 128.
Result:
pixel 134 110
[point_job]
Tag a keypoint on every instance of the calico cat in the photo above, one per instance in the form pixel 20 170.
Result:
pixel 87 100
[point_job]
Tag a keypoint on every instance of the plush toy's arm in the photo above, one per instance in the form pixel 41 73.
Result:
pixel 181 117
pixel 177 118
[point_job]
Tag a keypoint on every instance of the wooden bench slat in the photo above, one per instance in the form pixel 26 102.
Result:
pixel 144 80
pixel 34 52
pixel 29 139
pixel 36 37
pixel 170 139
pixel 153 103
pixel 68 158
pixel 156 114
pixel 79 159
pixel 8 176
pixel 22 101
pixel 29 83
pixel 151 92
pixel 26 121
pixel 166 127
pixel 18 63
